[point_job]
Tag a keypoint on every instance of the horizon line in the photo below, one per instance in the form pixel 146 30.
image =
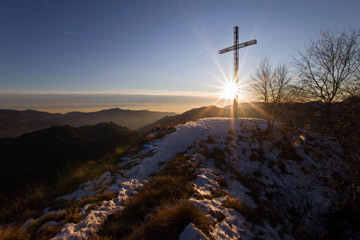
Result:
pixel 129 92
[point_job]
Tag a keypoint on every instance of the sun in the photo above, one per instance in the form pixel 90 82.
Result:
pixel 229 90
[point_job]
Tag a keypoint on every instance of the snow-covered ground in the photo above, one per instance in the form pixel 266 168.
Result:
pixel 280 176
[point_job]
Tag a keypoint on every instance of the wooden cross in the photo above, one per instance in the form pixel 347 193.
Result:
pixel 236 48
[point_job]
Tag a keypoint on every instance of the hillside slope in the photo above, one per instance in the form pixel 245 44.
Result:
pixel 41 155
pixel 214 178
pixel 191 115
pixel 14 123
pixel 249 110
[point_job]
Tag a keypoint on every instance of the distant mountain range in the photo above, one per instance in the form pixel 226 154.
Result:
pixel 40 155
pixel 14 123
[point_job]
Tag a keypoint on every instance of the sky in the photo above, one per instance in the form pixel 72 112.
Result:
pixel 63 55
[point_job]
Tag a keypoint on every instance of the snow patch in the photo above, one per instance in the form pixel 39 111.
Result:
pixel 192 233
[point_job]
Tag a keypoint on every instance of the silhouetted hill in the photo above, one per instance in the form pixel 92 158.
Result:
pixel 245 110
pixel 14 123
pixel 9 127
pixel 191 115
pixel 27 115
pixel 129 118
pixel 40 155
pixel 302 115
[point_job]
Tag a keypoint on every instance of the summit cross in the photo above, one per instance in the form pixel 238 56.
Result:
pixel 236 48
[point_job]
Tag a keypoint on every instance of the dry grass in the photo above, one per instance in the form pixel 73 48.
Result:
pixel 253 216
pixel 98 237
pixel 25 205
pixel 69 182
pixel 170 185
pixel 217 155
pixel 90 170
pixel 162 131
pixel 180 167
pixel 168 222
pixel 218 215
pixel 288 151
pixel 162 189
pixel 95 199
pixel 236 205
pixel 13 233
pixel 257 154
pixel 48 232
pixel 33 228
pixel 31 202
pixel 215 193
pixel 71 215
pixel 244 180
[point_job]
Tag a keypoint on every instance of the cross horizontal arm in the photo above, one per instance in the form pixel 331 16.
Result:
pixel 240 45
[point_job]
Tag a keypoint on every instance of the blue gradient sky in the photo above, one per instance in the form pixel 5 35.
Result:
pixel 51 49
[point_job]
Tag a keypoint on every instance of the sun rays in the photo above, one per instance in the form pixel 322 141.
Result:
pixel 226 88
pixel 230 90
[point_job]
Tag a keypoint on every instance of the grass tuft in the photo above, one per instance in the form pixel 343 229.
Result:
pixel 48 232
pixel 250 215
pixel 13 233
pixel 162 189
pixel 217 155
pixel 169 221
pixel 90 170
pixel 170 185
pixel 95 199
pixel 25 205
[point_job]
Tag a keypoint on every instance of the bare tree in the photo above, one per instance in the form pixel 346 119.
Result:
pixel 329 67
pixel 271 87
pixel 329 71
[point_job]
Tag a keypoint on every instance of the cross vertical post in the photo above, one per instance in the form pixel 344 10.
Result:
pixel 236 70
pixel 236 48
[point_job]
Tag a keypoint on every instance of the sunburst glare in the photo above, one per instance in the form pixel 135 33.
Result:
pixel 230 90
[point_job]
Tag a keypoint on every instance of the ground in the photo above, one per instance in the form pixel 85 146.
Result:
pixel 247 184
